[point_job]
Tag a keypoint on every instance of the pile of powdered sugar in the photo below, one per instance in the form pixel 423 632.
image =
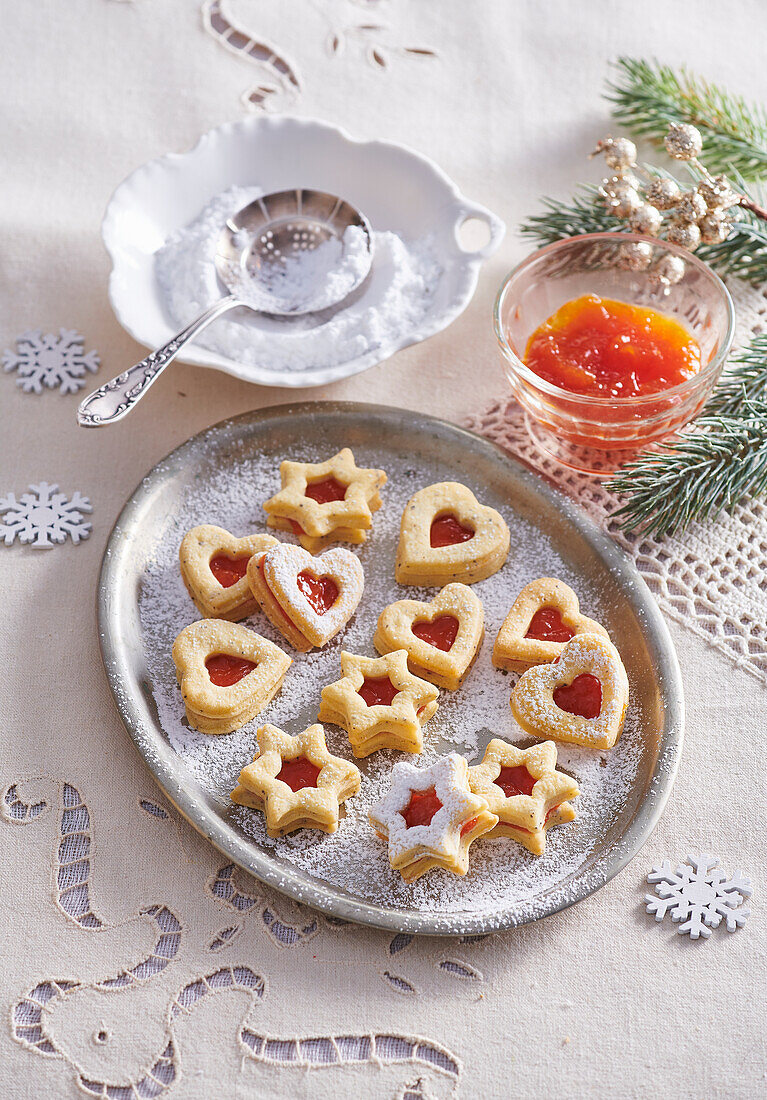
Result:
pixel 396 297
pixel 318 278
pixel 502 873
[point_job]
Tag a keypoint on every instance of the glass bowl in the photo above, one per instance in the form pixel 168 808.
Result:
pixel 599 434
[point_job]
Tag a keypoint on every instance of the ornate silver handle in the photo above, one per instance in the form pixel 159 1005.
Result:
pixel 116 398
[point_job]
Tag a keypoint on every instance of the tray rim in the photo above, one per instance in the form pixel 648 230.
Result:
pixel 326 897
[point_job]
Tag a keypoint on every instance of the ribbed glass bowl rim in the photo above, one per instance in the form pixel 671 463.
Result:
pixel 690 385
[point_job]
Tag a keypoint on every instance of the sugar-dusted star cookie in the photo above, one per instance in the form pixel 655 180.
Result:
pixel 379 703
pixel 324 502
pixel 307 599
pixel 442 638
pixel 213 567
pixel 430 817
pixel 525 790
pixel 296 782
pixel 581 698
pixel 447 535
pixel 543 617
pixel 227 673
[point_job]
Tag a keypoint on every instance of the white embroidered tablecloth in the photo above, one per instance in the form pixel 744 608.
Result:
pixel 136 961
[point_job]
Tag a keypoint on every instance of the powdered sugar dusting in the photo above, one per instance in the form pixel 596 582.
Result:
pixel 584 653
pixel 502 873
pixel 447 776
pixel 282 565
pixel 394 300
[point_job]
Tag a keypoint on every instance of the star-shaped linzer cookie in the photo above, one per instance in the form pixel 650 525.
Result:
pixel 525 790
pixel 379 703
pixel 430 817
pixel 326 502
pixel 296 782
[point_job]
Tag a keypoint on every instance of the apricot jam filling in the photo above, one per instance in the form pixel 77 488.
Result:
pixel 441 632
pixel 321 592
pixel 599 347
pixel 583 696
pixel 447 531
pixel 547 625
pixel 377 691
pixel 225 670
pixel 228 571
pixel 299 773
pixel 515 780
pixel 326 490
pixel 421 808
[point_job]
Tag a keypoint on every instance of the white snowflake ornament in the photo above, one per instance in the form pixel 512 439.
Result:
pixel 44 516
pixel 698 894
pixel 49 360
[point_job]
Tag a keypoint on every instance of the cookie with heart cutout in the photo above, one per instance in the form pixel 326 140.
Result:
pixel 441 638
pixel 447 535
pixel 227 673
pixel 308 599
pixel 430 817
pixel 523 788
pixel 213 567
pixel 379 703
pixel 326 502
pixel 296 782
pixel 581 698
pixel 544 616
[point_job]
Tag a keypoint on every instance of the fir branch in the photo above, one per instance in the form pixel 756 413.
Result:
pixel 744 384
pixel 648 96
pixel 694 478
pixel 743 254
pixel 584 213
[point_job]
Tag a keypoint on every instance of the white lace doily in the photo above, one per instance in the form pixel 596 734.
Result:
pixel 713 577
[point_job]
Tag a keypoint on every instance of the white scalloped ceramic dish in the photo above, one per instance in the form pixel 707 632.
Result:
pixel 398 190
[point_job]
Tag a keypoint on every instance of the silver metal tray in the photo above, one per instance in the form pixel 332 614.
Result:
pixel 436 451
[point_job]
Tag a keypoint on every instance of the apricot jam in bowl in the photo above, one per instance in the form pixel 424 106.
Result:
pixel 607 360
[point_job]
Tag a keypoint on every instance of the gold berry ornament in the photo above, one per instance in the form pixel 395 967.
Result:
pixel 683 141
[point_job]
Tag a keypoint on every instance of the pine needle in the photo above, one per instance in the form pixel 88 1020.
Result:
pixel 697 476
pixel 743 254
pixel 648 96
pixel 584 213
pixel 745 382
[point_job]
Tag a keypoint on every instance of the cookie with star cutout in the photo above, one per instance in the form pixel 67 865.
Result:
pixel 379 703
pixel 523 788
pixel 430 817
pixel 296 782
pixel 326 502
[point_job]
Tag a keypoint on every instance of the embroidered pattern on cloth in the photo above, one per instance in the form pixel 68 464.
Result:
pixel 711 578
pixel 222 887
pixel 384 1048
pixel 281 84
pixel 38 1015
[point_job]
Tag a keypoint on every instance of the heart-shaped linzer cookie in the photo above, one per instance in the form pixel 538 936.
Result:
pixel 581 698
pixel 543 617
pixel 227 673
pixel 213 567
pixel 442 638
pixel 308 599
pixel 447 535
